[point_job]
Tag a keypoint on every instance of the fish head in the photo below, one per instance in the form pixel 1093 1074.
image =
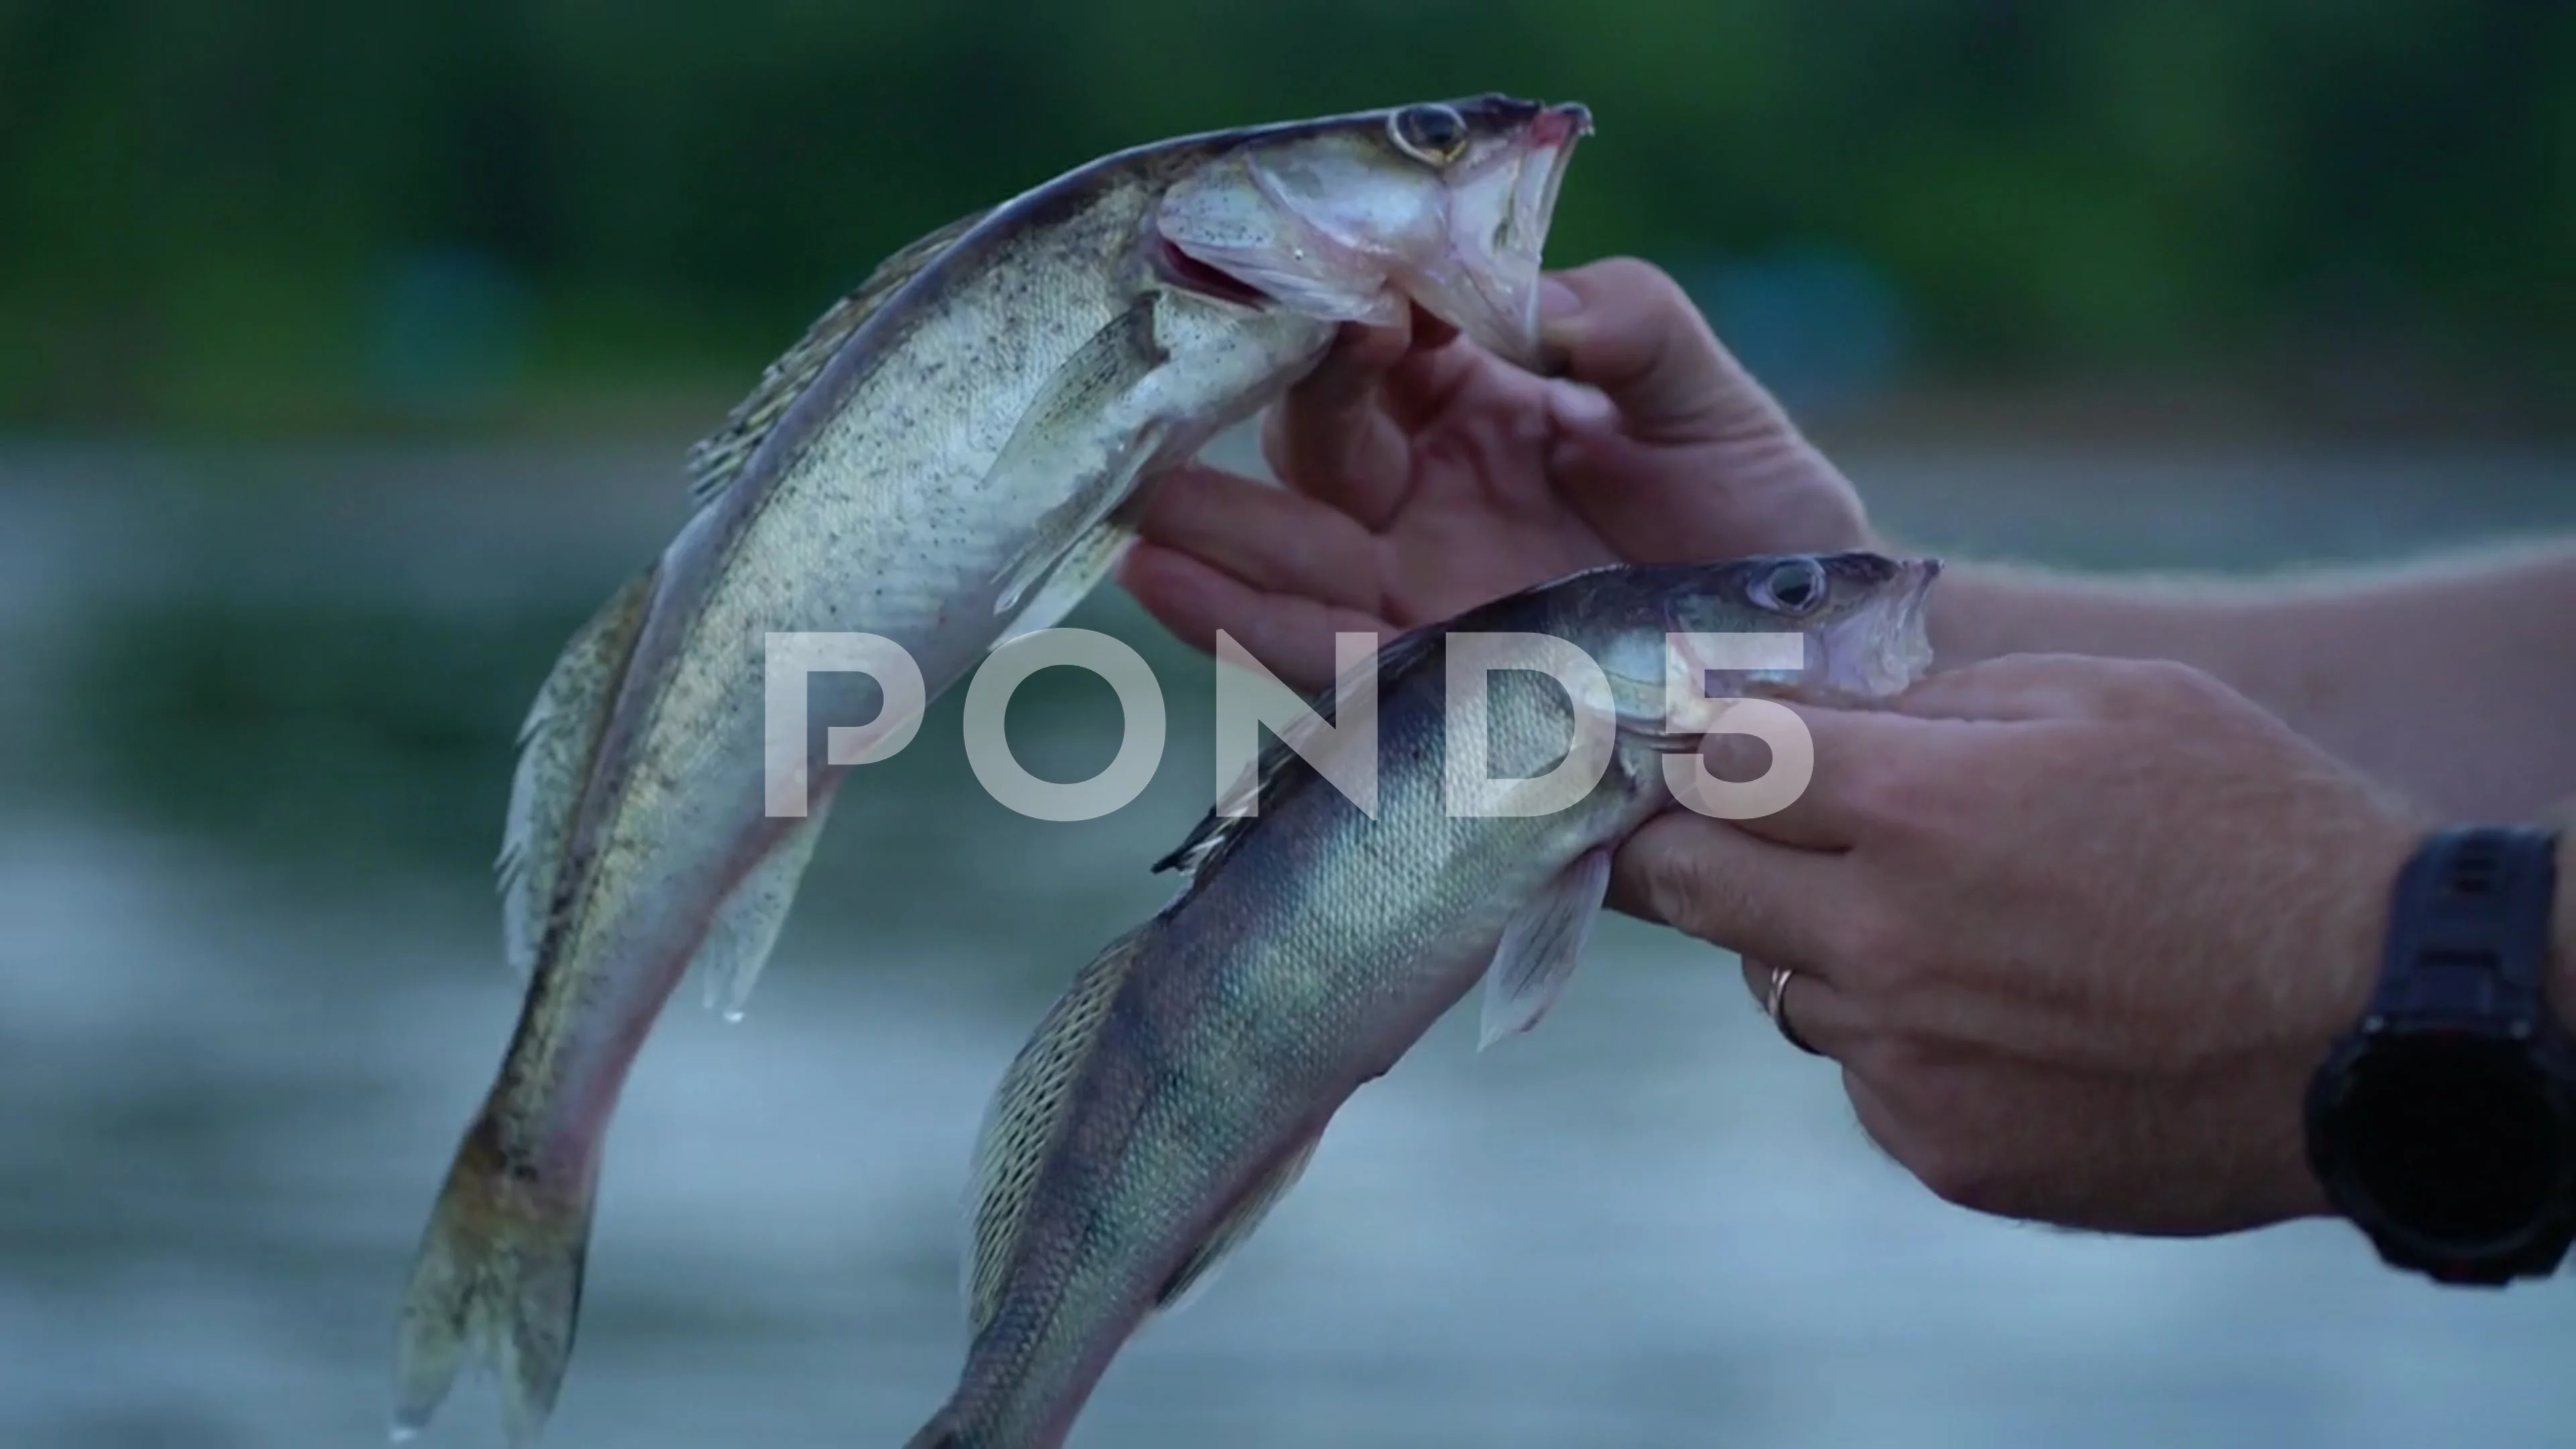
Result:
pixel 1356 218
pixel 1860 615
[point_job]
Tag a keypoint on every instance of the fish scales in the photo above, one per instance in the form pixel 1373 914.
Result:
pixel 951 455
pixel 1315 944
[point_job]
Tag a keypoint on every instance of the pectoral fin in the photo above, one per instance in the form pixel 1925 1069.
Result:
pixel 1093 558
pixel 744 930
pixel 1541 946
pixel 1062 430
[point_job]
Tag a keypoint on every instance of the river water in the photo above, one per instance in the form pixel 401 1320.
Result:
pixel 255 719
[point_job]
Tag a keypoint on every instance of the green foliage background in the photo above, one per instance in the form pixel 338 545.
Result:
pixel 307 212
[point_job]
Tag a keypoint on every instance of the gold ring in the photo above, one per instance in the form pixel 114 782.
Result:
pixel 1771 1005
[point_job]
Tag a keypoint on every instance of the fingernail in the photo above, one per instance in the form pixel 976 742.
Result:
pixel 1556 301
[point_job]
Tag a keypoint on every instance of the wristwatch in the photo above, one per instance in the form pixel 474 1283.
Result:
pixel 2443 1124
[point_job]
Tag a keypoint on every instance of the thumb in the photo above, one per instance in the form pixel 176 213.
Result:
pixel 1628 329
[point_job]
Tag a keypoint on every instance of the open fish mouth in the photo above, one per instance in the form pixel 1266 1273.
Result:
pixel 1359 223
pixel 1880 650
pixel 1873 652
pixel 1486 284
pixel 1206 278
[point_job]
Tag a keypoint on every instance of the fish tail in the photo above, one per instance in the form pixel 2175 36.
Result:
pixel 498 1278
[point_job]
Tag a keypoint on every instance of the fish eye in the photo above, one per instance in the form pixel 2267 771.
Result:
pixel 1430 133
pixel 1792 586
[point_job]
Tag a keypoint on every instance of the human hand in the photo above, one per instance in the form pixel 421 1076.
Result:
pixel 2077 930
pixel 1425 476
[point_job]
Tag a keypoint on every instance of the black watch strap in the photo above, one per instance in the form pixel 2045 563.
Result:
pixel 2468 932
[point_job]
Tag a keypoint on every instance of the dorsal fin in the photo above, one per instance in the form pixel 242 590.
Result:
pixel 1280 768
pixel 718 458
pixel 1022 1122
pixel 558 745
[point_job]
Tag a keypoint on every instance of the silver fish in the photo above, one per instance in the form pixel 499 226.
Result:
pixel 1181 1084
pixel 952 455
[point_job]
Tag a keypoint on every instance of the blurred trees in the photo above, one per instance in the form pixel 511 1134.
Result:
pixel 301 211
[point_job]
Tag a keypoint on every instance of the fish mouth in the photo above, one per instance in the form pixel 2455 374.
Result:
pixel 1342 229
pixel 1883 648
pixel 1485 280
pixel 1874 651
pixel 1560 125
pixel 1876 648
pixel 1206 278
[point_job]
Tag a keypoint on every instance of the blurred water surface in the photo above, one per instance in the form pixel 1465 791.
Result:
pixel 255 715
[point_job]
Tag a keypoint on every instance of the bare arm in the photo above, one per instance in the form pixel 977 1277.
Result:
pixel 2453 680
pixel 1425 478
pixel 2077 930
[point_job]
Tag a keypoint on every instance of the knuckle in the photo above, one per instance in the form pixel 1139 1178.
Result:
pixel 2167 682
pixel 2165 675
pixel 1960 1175
pixel 1874 1120
pixel 1642 292
pixel 1950 1164
pixel 1656 286
pixel 1675 887
pixel 1630 274
pixel 1946 1149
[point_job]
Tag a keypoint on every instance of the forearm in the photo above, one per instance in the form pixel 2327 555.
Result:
pixel 2454 681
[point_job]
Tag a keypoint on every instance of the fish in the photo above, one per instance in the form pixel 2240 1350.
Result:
pixel 1179 1087
pixel 952 456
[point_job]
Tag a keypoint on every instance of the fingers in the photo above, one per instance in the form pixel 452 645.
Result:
pixel 1856 755
pixel 1628 329
pixel 1730 760
pixel 1711 880
pixel 2012 687
pixel 1275 540
pixel 2025 687
pixel 1881 774
pixel 1809 1005
pixel 1430 381
pixel 1292 635
pixel 1332 440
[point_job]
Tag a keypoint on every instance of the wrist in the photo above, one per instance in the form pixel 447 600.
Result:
pixel 2352 938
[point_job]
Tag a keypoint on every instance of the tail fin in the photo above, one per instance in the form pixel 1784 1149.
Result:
pixel 498 1276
